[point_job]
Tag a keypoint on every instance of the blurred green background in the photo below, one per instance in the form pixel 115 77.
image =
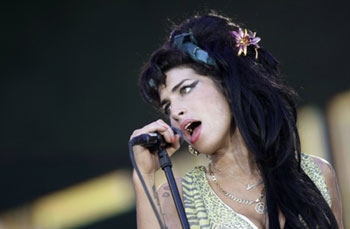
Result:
pixel 69 98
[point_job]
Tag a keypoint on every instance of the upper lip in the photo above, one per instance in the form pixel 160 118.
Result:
pixel 185 123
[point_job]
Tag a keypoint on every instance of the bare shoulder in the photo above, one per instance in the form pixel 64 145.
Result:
pixel 167 204
pixel 331 180
pixel 326 168
pixel 327 172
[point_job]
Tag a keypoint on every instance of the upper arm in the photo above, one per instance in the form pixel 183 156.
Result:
pixel 167 204
pixel 333 188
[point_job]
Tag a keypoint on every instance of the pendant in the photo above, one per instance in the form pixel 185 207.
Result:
pixel 260 208
pixel 253 185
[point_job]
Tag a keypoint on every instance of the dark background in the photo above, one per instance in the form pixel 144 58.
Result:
pixel 68 73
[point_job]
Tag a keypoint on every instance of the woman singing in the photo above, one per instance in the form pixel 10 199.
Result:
pixel 215 83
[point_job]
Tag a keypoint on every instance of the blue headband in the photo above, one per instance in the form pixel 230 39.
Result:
pixel 188 44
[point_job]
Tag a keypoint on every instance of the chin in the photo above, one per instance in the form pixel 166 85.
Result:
pixel 204 147
pixel 209 145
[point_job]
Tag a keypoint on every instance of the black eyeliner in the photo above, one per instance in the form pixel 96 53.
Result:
pixel 192 85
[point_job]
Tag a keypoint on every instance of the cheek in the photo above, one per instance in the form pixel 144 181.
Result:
pixel 174 123
pixel 217 108
pixel 221 116
pixel 219 104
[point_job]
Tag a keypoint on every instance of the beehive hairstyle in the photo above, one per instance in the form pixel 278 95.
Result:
pixel 263 109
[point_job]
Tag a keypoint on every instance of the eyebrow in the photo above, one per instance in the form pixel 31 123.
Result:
pixel 173 90
pixel 178 85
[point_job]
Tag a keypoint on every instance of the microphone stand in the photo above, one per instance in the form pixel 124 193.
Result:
pixel 166 165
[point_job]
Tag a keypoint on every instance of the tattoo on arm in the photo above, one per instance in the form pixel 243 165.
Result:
pixel 155 195
pixel 166 188
pixel 166 194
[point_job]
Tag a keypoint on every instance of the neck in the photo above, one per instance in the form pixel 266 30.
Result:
pixel 234 159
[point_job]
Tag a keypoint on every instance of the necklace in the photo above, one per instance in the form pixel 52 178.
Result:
pixel 260 207
pixel 251 186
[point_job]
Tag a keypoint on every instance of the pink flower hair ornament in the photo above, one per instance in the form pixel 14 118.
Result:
pixel 245 39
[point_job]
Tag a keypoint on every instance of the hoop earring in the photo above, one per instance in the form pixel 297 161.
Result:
pixel 192 150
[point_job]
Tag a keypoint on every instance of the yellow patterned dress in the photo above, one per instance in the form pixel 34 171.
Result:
pixel 204 209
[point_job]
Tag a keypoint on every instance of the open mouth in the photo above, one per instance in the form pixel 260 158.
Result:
pixel 192 130
pixel 190 127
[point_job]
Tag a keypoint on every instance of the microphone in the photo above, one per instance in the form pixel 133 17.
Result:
pixel 153 141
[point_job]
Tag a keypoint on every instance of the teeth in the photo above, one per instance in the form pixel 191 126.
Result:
pixel 188 129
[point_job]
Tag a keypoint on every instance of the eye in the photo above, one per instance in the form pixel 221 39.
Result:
pixel 166 109
pixel 185 89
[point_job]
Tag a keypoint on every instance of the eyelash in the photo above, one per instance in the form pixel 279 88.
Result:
pixel 183 89
pixel 166 109
pixel 182 92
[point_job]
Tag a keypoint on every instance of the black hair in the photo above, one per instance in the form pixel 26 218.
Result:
pixel 263 108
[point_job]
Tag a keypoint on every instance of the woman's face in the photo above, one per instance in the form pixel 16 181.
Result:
pixel 195 105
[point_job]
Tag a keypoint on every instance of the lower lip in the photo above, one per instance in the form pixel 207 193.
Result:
pixel 196 134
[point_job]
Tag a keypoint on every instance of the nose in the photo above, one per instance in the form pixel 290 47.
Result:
pixel 177 113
